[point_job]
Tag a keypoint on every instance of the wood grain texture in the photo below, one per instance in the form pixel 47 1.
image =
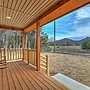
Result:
pixel 60 9
pixel 25 13
pixel 38 46
pixel 20 76
pixel 22 12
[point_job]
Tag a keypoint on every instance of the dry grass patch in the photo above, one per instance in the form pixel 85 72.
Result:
pixel 74 66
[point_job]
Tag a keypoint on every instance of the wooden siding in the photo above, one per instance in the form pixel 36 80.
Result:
pixel 20 76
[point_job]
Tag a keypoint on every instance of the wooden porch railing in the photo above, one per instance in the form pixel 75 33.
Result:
pixel 2 55
pixel 14 54
pixel 28 55
pixel 44 64
pixel 10 54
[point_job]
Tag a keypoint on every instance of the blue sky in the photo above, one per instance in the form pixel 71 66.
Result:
pixel 75 25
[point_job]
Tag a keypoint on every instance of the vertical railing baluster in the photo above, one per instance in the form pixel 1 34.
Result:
pixel 28 55
pixel 5 55
pixel 22 54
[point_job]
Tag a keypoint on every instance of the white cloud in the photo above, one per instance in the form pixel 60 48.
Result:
pixel 82 27
pixel 80 24
pixel 83 13
pixel 83 31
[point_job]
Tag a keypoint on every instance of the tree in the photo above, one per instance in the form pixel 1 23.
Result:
pixel 10 39
pixel 44 42
pixel 30 40
pixel 86 45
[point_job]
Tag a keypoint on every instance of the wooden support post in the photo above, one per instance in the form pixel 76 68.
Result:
pixel 38 46
pixel 23 44
pixel 23 39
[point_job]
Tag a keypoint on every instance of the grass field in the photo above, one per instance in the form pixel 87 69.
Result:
pixel 70 47
pixel 74 66
pixel 66 47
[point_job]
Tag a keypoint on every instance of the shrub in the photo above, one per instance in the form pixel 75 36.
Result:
pixel 86 45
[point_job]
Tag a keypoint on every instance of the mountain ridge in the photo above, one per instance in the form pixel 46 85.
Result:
pixel 69 42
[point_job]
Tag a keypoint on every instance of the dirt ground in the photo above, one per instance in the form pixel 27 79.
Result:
pixel 74 66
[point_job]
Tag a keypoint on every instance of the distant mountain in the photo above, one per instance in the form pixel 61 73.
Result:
pixel 69 42
pixel 83 40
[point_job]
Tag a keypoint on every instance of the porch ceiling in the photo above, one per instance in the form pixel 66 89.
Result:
pixel 22 15
pixel 22 12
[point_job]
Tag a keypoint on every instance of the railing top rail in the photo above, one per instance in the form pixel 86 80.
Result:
pixel 32 49
pixel 29 49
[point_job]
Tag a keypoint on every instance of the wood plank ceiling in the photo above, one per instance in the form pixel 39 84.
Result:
pixel 22 12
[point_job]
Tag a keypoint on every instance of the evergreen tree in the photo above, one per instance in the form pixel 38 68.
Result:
pixel 86 45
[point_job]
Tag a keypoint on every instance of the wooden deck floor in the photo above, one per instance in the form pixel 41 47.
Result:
pixel 20 76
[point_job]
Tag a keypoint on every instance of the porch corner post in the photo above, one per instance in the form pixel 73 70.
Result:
pixel 38 45
pixel 23 39
pixel 23 44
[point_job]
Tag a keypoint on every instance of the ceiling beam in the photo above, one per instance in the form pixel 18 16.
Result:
pixel 65 9
pixel 43 15
pixel 62 8
pixel 29 29
pixel 4 27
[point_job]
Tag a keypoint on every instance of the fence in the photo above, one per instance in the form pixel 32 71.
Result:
pixel 74 51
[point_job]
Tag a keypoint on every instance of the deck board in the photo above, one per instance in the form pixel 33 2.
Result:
pixel 20 76
pixel 16 82
pixel 41 83
pixel 0 79
pixel 28 83
pixel 10 80
pixel 5 80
